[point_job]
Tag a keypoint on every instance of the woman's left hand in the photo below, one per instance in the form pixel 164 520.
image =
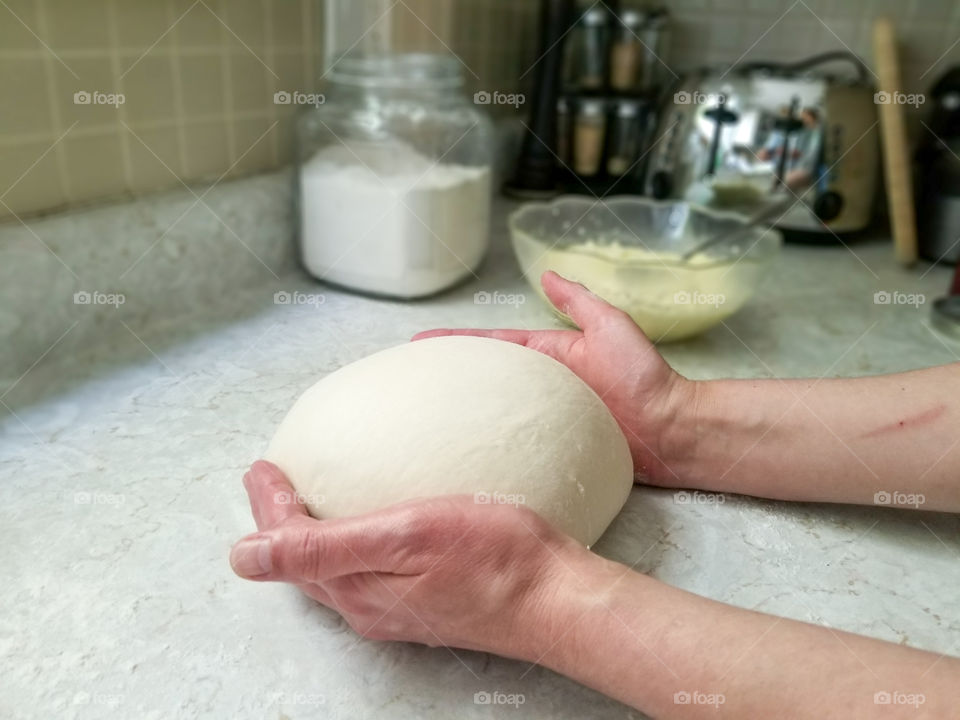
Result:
pixel 439 571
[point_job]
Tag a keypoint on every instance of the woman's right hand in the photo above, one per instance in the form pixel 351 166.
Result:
pixel 612 355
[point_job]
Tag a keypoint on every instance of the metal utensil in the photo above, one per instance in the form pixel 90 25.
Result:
pixel 768 212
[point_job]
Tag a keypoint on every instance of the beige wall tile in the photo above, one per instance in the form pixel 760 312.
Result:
pixel 76 25
pixel 255 143
pixel 202 83
pixel 33 167
pixel 154 159
pixel 287 23
pixel 199 26
pixel 94 165
pixel 286 139
pixel 18 25
pixel 245 20
pixel 248 77
pixel 149 89
pixel 207 153
pixel 290 68
pixel 145 25
pixel 26 107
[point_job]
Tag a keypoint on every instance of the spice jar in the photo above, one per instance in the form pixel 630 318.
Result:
pixel 626 51
pixel 589 71
pixel 394 176
pixel 626 133
pixel 588 136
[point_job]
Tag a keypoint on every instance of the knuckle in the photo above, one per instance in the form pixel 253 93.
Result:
pixel 309 554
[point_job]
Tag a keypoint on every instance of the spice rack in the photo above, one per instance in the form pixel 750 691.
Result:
pixel 602 73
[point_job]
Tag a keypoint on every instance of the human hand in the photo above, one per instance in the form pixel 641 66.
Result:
pixel 613 356
pixel 438 571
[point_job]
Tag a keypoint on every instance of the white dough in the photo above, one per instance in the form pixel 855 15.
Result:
pixel 455 415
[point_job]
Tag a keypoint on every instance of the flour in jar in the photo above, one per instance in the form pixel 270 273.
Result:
pixel 384 218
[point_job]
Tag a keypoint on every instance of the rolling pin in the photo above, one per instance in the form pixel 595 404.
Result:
pixel 897 171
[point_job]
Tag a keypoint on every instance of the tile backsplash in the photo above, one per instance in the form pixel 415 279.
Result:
pixel 197 80
pixel 128 96
pixel 198 77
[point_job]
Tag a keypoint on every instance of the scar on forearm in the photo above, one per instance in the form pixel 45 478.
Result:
pixel 914 421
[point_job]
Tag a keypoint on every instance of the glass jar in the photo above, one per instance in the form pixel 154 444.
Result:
pixel 626 51
pixel 589 136
pixel 625 135
pixel 394 176
pixel 587 58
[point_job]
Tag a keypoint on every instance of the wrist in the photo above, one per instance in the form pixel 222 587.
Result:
pixel 602 627
pixel 552 602
pixel 578 584
pixel 679 433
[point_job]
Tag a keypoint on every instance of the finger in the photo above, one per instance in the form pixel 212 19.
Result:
pixel 312 551
pixel 584 308
pixel 272 498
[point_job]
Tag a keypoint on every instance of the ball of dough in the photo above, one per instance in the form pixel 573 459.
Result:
pixel 453 415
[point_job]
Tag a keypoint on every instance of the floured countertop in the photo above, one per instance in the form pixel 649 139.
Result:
pixel 121 496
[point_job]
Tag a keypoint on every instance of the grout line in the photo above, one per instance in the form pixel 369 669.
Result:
pixel 308 40
pixel 56 117
pixel 178 107
pixel 272 84
pixel 116 67
pixel 230 128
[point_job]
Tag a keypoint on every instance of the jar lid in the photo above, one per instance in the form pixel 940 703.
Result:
pixel 594 16
pixel 592 107
pixel 631 19
pixel 399 70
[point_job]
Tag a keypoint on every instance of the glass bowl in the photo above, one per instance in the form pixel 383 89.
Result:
pixel 628 251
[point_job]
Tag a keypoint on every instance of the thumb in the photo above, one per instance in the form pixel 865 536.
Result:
pixel 308 550
pixel 587 310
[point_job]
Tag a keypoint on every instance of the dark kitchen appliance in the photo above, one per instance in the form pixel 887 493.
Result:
pixel 946 310
pixel 938 173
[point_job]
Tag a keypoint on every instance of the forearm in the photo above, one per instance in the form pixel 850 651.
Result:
pixel 832 440
pixel 673 654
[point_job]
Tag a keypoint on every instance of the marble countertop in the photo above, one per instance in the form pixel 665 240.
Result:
pixel 122 495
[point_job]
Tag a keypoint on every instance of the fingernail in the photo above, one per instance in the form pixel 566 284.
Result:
pixel 251 558
pixel 246 479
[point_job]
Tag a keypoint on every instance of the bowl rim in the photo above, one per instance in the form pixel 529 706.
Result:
pixel 568 199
